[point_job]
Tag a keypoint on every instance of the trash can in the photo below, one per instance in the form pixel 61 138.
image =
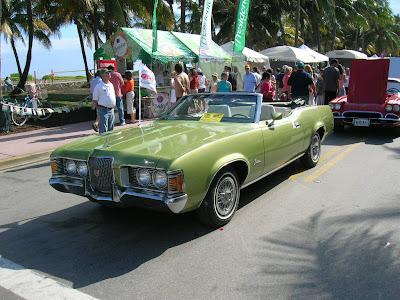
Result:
pixel 4 118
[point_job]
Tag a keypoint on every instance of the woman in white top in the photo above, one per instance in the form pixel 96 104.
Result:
pixel 173 94
pixel 342 81
pixel 202 81
pixel 213 84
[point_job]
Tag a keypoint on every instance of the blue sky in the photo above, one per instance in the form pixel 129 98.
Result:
pixel 65 54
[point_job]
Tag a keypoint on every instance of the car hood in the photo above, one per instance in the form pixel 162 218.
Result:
pixel 138 145
pixel 368 81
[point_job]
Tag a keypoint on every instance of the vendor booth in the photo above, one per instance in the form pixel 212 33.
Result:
pixel 318 56
pixel 130 44
pixel 346 56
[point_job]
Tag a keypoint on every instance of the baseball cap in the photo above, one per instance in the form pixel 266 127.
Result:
pixel 215 74
pixel 284 67
pixel 102 71
pixel 300 64
pixel 198 70
pixel 247 66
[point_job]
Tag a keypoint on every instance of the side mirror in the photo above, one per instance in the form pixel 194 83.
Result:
pixel 277 116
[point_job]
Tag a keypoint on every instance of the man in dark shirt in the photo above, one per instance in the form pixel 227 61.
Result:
pixel 330 83
pixel 299 84
pixel 279 80
pixel 231 77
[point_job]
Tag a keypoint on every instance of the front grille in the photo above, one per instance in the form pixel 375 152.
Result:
pixel 362 114
pixel 101 173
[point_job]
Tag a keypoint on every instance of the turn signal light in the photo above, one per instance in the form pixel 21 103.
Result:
pixel 175 184
pixel 53 167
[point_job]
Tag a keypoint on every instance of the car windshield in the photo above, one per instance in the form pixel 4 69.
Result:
pixel 393 86
pixel 218 107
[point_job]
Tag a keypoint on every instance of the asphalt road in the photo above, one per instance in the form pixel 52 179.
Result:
pixel 331 232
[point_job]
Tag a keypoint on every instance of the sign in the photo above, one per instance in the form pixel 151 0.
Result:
pixel 104 63
pixel 210 117
pixel 160 103
pixel 120 46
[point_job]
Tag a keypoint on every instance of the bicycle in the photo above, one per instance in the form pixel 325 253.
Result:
pixel 21 112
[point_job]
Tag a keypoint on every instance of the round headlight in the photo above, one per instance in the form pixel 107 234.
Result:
pixel 331 106
pixel 337 106
pixel 160 179
pixel 143 177
pixel 388 108
pixel 396 107
pixel 71 166
pixel 82 168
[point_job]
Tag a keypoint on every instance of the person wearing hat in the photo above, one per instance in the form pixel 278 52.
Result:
pixel 213 84
pixel 299 84
pixel 202 80
pixel 104 100
pixel 249 80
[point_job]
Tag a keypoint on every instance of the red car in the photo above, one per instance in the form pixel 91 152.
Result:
pixel 373 99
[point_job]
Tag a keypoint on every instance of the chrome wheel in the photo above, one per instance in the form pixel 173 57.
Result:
pixel 315 148
pixel 225 196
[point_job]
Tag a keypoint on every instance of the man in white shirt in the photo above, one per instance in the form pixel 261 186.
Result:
pixel 161 78
pixel 93 84
pixel 104 101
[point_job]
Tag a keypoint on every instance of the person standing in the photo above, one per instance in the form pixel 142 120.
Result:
pixel 213 84
pixel 118 83
pixel 331 78
pixel 104 100
pixel 299 84
pixel 129 87
pixel 320 88
pixel 224 86
pixel 160 79
pixel 249 80
pixel 182 83
pixel 93 84
pixel 231 77
pixel 8 83
pixel 342 80
pixel 279 79
pixel 257 74
pixel 202 81
pixel 172 84
pixel 288 73
pixel 266 87
pixel 194 81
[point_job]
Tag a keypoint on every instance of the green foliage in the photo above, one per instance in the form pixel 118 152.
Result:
pixel 15 77
pixel 48 77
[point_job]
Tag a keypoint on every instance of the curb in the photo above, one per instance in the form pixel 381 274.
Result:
pixel 20 161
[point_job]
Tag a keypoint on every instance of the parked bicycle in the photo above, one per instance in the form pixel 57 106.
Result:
pixel 21 113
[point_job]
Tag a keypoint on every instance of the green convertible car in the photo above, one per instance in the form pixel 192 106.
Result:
pixel 196 156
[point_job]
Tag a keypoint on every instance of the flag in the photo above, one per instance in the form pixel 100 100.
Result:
pixel 147 78
pixel 155 44
pixel 241 24
pixel 206 42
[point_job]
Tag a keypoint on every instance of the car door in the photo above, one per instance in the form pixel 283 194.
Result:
pixel 283 140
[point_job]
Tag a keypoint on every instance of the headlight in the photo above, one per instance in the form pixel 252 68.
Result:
pixel 337 106
pixel 71 166
pixel 388 108
pixel 143 177
pixel 160 179
pixel 396 108
pixel 331 106
pixel 82 169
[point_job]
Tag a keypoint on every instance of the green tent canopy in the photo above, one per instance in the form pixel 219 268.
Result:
pixel 133 44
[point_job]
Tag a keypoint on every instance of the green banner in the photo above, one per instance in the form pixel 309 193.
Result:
pixel 241 25
pixel 155 44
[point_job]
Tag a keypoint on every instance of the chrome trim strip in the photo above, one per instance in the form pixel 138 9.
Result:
pixel 270 172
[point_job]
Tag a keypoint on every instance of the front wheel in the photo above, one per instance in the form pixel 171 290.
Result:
pixel 221 201
pixel 45 113
pixel 313 153
pixel 18 115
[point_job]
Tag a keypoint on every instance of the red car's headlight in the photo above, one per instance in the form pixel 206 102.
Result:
pixel 396 108
pixel 388 107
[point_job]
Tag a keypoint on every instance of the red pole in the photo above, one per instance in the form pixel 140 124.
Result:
pixel 35 77
pixel 52 76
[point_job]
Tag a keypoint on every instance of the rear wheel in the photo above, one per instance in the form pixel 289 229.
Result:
pixel 222 199
pixel 45 113
pixel 313 153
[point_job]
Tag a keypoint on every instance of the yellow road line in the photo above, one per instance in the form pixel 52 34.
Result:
pixel 331 163
pixel 325 156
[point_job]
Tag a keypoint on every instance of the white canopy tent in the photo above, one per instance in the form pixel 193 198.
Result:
pixel 318 56
pixel 288 53
pixel 351 54
pixel 250 55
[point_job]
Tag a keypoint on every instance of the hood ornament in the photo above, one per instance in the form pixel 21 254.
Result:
pixel 146 162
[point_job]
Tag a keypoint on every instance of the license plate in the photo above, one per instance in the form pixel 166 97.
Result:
pixel 361 122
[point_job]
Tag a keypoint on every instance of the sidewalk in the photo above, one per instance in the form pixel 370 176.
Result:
pixel 34 146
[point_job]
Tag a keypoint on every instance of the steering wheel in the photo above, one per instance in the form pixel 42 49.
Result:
pixel 241 115
pixel 393 91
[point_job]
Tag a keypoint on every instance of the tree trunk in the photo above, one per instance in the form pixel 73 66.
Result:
pixel 334 37
pixel 237 3
pixel 356 41
pixel 282 29
pixel 12 42
pixel 95 27
pixel 183 15
pixel 107 21
pixel 78 27
pixel 296 37
pixel 363 41
pixel 23 78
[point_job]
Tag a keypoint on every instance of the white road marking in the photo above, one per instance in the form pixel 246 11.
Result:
pixel 33 286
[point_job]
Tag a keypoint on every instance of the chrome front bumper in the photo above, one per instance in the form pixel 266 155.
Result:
pixel 130 197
